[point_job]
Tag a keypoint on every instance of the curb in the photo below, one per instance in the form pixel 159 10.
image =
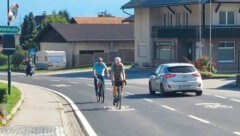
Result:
pixel 14 110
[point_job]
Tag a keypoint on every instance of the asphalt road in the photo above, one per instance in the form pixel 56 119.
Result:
pixel 215 113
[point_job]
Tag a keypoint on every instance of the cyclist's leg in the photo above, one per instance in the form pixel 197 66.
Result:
pixel 103 81
pixel 95 84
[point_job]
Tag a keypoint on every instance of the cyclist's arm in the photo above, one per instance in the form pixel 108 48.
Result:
pixel 94 71
pixel 123 72
pixel 112 72
pixel 106 69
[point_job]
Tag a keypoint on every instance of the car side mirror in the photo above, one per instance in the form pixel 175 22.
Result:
pixel 153 73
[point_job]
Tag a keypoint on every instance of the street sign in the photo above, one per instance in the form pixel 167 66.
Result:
pixel 32 51
pixel 8 41
pixel 10 30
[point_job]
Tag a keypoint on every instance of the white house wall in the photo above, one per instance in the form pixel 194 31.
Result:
pixel 142 32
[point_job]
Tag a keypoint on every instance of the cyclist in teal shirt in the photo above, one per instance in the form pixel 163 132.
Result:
pixel 98 72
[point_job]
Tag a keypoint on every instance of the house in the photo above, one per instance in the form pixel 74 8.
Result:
pixel 86 39
pixel 169 30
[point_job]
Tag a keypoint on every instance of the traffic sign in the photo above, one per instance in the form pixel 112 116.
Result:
pixel 10 30
pixel 32 51
pixel 8 41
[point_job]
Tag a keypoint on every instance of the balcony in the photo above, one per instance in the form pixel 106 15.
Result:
pixel 192 32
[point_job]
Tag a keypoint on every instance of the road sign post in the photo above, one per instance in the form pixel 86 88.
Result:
pixel 10 30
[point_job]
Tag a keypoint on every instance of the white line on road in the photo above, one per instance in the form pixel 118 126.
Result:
pixel 218 96
pixel 199 119
pixel 237 133
pixel 129 93
pixel 148 100
pixel 235 100
pixel 53 80
pixel 73 82
pixel 109 89
pixel 164 106
pixel 36 78
pixel 90 85
pixel 207 94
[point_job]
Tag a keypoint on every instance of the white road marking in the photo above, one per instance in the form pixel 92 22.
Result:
pixel 218 96
pixel 207 94
pixel 164 106
pixel 237 133
pixel 109 89
pixel 36 78
pixel 235 100
pixel 148 100
pixel 73 82
pixel 53 80
pixel 199 119
pixel 90 85
pixel 213 105
pixel 108 83
pixel 61 85
pixel 123 108
pixel 129 93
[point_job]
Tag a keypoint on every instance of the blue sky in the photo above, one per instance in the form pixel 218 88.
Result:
pixel 86 8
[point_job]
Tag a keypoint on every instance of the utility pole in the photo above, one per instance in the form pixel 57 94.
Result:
pixel 210 37
pixel 9 56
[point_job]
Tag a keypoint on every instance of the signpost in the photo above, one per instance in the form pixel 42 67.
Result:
pixel 10 30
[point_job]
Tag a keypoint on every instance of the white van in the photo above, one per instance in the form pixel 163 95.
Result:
pixel 51 60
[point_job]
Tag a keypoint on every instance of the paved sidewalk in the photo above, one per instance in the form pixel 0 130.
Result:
pixel 41 114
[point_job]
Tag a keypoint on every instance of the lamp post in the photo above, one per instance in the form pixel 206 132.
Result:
pixel 9 56
pixel 210 36
pixel 200 29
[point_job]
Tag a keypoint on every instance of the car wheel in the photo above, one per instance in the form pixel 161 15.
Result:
pixel 198 93
pixel 150 89
pixel 162 90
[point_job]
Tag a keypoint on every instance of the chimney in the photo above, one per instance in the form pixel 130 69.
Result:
pixel 44 13
pixel 100 14
pixel 54 12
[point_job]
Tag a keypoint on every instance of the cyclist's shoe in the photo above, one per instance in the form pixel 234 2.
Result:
pixel 114 101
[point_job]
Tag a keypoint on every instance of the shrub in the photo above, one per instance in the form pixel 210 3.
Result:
pixel 17 58
pixel 206 74
pixel 203 64
pixel 3 59
pixel 3 95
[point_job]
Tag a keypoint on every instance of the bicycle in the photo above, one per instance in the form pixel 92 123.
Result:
pixel 118 99
pixel 100 94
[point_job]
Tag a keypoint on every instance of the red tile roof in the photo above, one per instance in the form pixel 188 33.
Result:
pixel 97 20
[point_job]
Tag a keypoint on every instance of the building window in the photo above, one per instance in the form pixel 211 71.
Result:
pixel 164 51
pixel 169 19
pixel 226 17
pixel 164 19
pixel 226 52
pixel 142 50
pixel 186 19
pixel 178 19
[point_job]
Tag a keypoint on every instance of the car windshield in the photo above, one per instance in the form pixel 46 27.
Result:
pixel 181 69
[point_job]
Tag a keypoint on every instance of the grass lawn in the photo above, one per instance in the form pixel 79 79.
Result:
pixel 12 99
pixel 224 75
pixel 20 69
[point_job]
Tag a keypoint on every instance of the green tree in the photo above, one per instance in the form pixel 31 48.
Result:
pixel 107 14
pixel 54 19
pixel 65 14
pixel 28 32
pixel 17 58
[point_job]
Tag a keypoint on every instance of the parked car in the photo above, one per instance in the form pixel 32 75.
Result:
pixel 176 77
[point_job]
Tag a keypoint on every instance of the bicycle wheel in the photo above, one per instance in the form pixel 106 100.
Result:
pixel 118 103
pixel 98 94
pixel 102 95
pixel 120 99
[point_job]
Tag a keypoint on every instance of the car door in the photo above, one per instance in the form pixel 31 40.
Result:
pixel 154 78
pixel 159 77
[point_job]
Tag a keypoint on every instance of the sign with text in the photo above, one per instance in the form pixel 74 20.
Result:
pixel 10 30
